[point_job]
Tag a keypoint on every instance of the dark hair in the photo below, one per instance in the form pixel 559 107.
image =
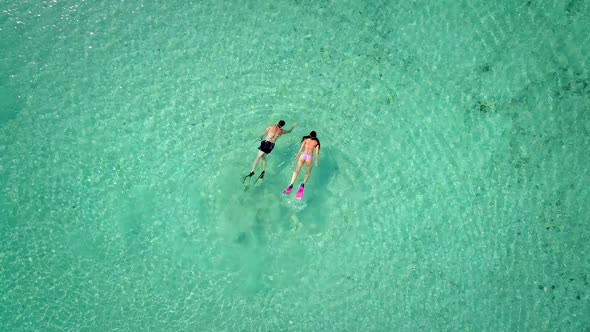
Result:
pixel 313 134
pixel 281 123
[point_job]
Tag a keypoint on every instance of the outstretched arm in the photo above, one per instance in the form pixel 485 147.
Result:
pixel 317 154
pixel 290 130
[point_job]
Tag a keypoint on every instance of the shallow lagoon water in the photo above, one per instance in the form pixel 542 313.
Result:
pixel 452 191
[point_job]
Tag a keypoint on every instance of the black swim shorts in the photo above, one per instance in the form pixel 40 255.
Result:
pixel 266 146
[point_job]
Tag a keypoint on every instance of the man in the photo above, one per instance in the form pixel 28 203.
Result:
pixel 308 145
pixel 272 132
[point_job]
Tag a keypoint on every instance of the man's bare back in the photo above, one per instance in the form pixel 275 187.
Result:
pixel 273 132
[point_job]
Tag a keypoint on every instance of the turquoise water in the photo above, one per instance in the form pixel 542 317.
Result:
pixel 451 193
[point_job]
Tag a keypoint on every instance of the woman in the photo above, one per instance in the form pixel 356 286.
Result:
pixel 308 145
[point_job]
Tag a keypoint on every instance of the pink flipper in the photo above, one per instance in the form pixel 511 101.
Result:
pixel 288 190
pixel 300 192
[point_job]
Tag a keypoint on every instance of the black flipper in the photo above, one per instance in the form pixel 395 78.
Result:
pixel 260 177
pixel 248 176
